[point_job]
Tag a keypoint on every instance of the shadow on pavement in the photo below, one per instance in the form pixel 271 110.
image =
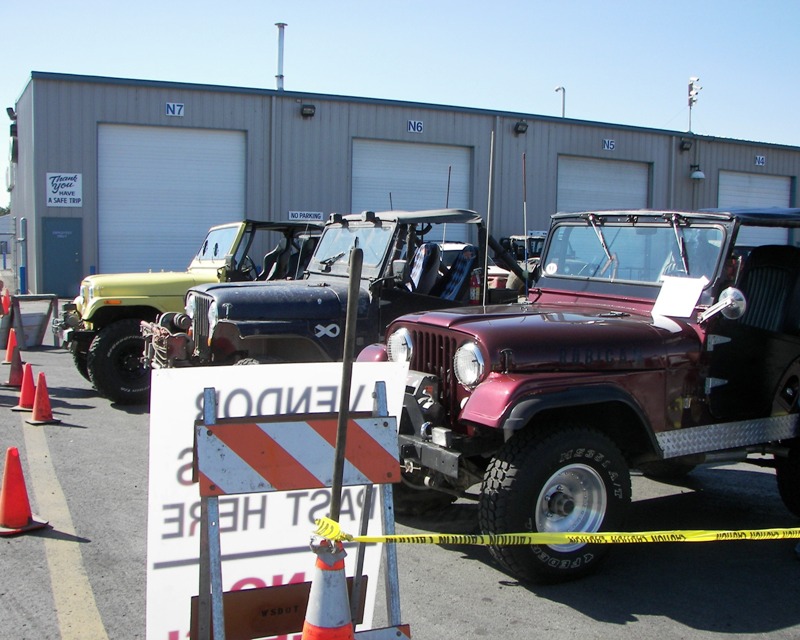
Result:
pixel 736 587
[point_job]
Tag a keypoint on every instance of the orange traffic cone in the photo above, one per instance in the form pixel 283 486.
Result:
pixel 328 613
pixel 15 373
pixel 27 393
pixel 15 510
pixel 10 345
pixel 42 413
pixel 6 302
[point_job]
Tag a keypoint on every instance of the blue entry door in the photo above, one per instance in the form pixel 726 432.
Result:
pixel 62 256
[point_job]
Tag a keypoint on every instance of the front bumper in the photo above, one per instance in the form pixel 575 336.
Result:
pixel 421 441
pixel 70 330
pixel 164 349
pixel 427 440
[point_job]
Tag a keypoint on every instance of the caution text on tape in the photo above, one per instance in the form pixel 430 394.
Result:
pixel 331 530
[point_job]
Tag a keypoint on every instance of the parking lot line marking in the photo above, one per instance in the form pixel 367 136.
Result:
pixel 76 609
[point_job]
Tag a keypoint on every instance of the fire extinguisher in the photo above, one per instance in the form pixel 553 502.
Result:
pixel 475 287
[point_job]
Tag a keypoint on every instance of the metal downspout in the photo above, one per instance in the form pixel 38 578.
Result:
pixel 271 200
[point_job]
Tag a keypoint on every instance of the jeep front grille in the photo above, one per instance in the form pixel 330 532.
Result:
pixel 200 329
pixel 433 354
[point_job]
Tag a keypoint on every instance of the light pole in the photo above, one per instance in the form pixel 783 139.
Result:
pixel 563 98
pixel 279 78
pixel 694 89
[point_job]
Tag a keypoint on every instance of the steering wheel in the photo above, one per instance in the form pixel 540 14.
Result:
pixel 248 268
pixel 673 268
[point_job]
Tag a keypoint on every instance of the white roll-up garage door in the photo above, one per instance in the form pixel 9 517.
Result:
pixel 160 188
pixel 586 184
pixel 411 177
pixel 737 190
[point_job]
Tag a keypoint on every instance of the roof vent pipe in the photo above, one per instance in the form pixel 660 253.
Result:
pixel 279 77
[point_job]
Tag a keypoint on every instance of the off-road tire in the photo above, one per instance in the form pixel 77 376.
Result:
pixel 115 366
pixel 787 473
pixel 79 358
pixel 579 468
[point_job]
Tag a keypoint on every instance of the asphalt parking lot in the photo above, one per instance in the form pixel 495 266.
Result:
pixel 84 576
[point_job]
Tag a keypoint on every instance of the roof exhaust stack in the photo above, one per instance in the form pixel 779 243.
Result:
pixel 279 77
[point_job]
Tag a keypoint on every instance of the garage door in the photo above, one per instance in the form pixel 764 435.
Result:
pixel 410 177
pixel 585 184
pixel 738 190
pixel 160 188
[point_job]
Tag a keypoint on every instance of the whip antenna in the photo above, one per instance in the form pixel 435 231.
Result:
pixel 485 284
pixel 447 201
pixel 525 208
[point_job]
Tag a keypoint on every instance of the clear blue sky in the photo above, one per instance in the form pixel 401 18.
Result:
pixel 620 61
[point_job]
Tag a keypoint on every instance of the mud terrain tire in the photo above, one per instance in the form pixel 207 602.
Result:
pixel 114 363
pixel 79 359
pixel 567 479
pixel 787 473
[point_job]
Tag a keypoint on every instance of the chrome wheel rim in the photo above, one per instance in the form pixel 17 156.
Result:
pixel 574 499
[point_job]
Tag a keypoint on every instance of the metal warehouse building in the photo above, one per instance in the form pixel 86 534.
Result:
pixel 114 175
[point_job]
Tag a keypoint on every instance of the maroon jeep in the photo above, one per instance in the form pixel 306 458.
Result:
pixel 654 340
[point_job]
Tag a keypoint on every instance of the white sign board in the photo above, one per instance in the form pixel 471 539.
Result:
pixel 264 536
pixel 64 189
pixel 307 216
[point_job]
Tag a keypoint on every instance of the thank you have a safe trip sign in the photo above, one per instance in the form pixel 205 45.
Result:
pixel 64 190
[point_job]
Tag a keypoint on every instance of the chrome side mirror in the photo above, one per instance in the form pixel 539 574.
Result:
pixel 398 269
pixel 731 304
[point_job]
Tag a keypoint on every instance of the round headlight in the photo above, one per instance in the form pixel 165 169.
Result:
pixel 399 346
pixel 213 317
pixel 189 306
pixel 468 364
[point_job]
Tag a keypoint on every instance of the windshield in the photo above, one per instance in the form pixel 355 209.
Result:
pixel 643 254
pixel 535 246
pixel 218 244
pixel 338 240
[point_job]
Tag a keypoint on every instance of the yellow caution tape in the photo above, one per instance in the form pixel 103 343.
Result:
pixel 330 530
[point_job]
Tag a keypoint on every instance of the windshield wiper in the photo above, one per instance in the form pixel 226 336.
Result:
pixel 599 232
pixel 675 221
pixel 329 261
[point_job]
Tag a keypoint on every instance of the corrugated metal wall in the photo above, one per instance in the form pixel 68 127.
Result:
pixel 305 164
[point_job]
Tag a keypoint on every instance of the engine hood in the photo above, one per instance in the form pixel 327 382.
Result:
pixel 570 337
pixel 158 283
pixel 283 300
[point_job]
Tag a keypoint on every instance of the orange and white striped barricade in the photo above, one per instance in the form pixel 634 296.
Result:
pixel 283 453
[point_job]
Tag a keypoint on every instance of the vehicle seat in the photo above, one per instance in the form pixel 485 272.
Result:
pixel 424 268
pixel 762 345
pixel 771 285
pixel 299 259
pixel 269 262
pixel 456 280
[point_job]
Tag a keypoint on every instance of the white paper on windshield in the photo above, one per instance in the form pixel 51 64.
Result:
pixel 678 296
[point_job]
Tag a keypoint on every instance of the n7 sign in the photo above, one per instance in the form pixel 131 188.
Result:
pixel 175 109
